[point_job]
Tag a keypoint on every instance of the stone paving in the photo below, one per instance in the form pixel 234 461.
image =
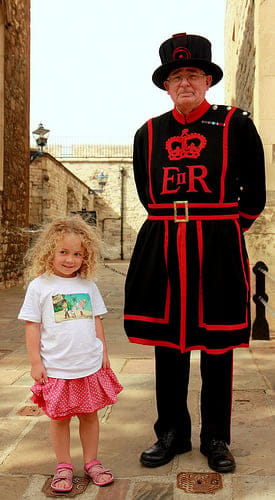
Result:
pixel 26 456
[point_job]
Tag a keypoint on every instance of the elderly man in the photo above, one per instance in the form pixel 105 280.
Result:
pixel 199 172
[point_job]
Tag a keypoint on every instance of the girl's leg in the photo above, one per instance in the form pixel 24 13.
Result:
pixel 89 436
pixel 60 437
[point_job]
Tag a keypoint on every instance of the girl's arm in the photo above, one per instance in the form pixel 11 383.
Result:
pixel 100 334
pixel 38 371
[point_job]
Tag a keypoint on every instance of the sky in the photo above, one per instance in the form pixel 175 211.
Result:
pixel 92 63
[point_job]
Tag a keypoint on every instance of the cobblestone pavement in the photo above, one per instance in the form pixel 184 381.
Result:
pixel 26 456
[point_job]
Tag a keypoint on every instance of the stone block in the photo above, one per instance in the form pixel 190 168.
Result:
pixel 13 489
pixel 251 408
pixel 10 430
pixel 152 490
pixel 118 490
pixel 253 486
pixel 11 397
pixel 253 448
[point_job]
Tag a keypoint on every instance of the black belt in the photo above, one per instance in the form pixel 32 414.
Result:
pixel 182 211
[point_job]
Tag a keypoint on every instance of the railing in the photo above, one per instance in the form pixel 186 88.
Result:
pixel 260 329
pixel 75 147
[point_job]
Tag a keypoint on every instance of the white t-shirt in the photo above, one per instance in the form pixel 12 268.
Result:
pixel 66 309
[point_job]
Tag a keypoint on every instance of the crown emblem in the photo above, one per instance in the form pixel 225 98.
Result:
pixel 185 146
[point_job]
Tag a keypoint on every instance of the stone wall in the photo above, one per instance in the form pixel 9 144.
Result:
pixel 14 131
pixel 250 84
pixel 239 61
pixel 119 211
pixel 55 191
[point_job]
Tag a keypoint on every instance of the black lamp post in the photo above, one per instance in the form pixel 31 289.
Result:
pixel 102 180
pixel 42 136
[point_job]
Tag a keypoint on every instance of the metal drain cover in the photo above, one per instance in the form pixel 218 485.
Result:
pixel 4 352
pixel 79 486
pixel 199 482
pixel 30 411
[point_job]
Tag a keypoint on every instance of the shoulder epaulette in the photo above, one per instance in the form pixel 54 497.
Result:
pixel 223 107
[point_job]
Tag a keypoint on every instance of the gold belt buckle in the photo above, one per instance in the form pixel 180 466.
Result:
pixel 185 217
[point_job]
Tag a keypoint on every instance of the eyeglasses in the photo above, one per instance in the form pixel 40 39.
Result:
pixel 189 77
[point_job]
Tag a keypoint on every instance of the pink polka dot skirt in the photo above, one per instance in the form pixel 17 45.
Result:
pixel 65 398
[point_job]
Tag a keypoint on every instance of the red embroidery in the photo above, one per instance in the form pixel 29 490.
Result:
pixel 185 146
pixel 181 53
pixel 173 179
pixel 199 178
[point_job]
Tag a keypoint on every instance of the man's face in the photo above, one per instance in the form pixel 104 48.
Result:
pixel 187 88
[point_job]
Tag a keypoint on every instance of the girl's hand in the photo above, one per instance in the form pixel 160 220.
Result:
pixel 100 335
pixel 105 362
pixel 38 371
pixel 39 374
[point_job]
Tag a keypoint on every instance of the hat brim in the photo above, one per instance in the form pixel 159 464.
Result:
pixel 161 74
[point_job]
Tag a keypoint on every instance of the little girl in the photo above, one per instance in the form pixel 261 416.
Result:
pixel 66 344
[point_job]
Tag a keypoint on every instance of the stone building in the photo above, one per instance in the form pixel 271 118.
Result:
pixel 55 191
pixel 119 212
pixel 14 136
pixel 250 84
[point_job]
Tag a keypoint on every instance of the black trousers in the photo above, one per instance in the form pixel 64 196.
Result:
pixel 172 379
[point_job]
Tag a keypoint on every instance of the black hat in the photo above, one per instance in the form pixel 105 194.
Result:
pixel 184 50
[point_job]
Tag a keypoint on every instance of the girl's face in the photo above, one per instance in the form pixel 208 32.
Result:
pixel 68 256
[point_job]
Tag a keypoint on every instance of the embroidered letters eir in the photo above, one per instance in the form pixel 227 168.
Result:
pixel 185 146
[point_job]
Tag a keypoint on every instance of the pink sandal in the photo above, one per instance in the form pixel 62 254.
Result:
pixel 64 472
pixel 98 472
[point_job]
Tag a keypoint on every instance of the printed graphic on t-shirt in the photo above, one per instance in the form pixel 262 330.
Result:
pixel 72 306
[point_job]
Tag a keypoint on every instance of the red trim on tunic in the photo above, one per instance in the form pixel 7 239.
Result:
pixel 160 343
pixel 191 206
pixel 165 319
pixel 194 217
pixel 193 116
pixel 181 246
pixel 150 147
pixel 202 323
pixel 247 216
pixel 244 273
pixel 225 152
pixel 231 396
pixel 200 250
pixel 168 294
pixel 194 205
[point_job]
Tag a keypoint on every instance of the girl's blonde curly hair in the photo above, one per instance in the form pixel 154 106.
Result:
pixel 39 257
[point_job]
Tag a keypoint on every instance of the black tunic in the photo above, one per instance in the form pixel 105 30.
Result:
pixel 188 284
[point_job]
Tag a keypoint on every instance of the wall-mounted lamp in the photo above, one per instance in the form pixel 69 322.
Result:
pixel 42 136
pixel 101 179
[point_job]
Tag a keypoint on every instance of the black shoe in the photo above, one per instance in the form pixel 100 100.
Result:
pixel 219 457
pixel 163 451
